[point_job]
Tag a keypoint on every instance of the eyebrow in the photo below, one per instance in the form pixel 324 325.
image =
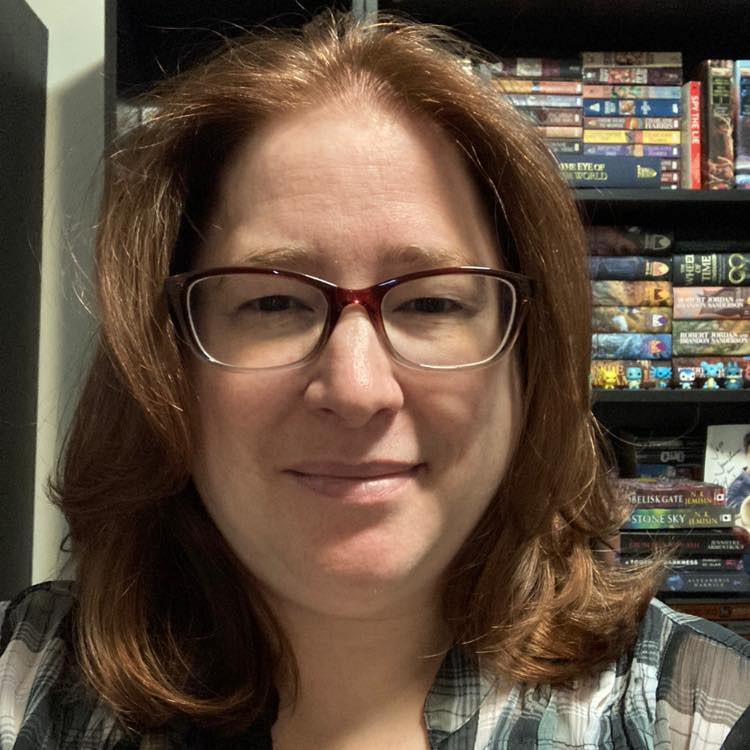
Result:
pixel 409 256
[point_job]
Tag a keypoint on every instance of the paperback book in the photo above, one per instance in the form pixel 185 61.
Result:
pixel 720 582
pixel 670 493
pixel 606 171
pixel 696 517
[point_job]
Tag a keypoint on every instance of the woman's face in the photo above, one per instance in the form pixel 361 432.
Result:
pixel 348 485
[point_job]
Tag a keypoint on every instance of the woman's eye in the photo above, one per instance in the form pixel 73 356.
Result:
pixel 273 303
pixel 432 305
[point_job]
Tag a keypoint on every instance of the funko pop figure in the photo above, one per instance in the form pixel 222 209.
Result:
pixel 711 372
pixel 633 376
pixel 733 376
pixel 661 375
pixel 686 377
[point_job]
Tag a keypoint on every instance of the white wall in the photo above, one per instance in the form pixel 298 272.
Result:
pixel 74 143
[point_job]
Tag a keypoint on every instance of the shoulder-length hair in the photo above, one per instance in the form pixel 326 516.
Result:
pixel 167 623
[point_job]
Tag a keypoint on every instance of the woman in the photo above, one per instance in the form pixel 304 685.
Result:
pixel 334 481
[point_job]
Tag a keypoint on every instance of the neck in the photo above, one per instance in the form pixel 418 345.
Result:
pixel 360 680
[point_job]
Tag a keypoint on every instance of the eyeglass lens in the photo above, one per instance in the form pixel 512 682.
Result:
pixel 258 321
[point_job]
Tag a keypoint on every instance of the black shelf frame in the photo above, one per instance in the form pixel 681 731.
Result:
pixel 672 396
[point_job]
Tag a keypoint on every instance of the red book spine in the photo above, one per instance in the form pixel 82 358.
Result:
pixel 693 145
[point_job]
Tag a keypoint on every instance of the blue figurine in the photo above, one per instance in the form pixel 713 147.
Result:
pixel 633 376
pixel 733 376
pixel 662 376
pixel 712 371
pixel 686 377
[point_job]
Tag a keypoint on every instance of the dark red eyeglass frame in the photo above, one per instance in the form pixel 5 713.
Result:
pixel 370 298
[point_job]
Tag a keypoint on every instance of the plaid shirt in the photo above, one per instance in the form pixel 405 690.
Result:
pixel 684 684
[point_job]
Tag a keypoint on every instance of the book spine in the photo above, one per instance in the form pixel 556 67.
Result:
pixel 599 91
pixel 606 171
pixel 741 108
pixel 641 59
pixel 524 86
pixel 680 518
pixel 630 268
pixel 536 67
pixel 632 123
pixel 608 240
pixel 717 337
pixel 689 563
pixel 632 107
pixel 668 137
pixel 698 581
pixel 631 346
pixel 686 543
pixel 677 499
pixel 559 131
pixel 545 100
pixel 634 149
pixel 712 269
pixel 631 319
pixel 690 134
pixel 717 156
pixel 632 293
pixel 661 76
pixel 555 116
pixel 564 145
pixel 711 302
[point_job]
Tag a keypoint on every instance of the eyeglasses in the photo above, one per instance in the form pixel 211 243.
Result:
pixel 258 318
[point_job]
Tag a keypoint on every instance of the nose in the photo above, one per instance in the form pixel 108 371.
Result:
pixel 354 378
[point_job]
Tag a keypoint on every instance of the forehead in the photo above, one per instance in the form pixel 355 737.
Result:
pixel 349 186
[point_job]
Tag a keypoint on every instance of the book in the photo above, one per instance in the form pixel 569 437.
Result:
pixel 713 608
pixel 632 107
pixel 713 542
pixel 631 346
pixel 564 145
pixel 553 115
pixel 632 319
pixel 624 91
pixel 670 493
pixel 630 267
pixel 741 116
pixel 612 373
pixel 688 563
pixel 536 67
pixel 691 135
pixel 718 337
pixel 609 171
pixel 700 247
pixel 632 123
pixel 545 100
pixel 711 269
pixel 617 240
pixel 631 149
pixel 727 462
pixel 711 302
pixel 560 131
pixel 649 137
pixel 696 517
pixel 717 155
pixel 659 76
pixel 527 86
pixel 641 59
pixel 667 471
pixel 699 581
pixel 631 293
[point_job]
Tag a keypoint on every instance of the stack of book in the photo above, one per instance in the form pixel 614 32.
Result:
pixel 711 328
pixel 632 109
pixel 631 343
pixel 547 92
pixel 692 521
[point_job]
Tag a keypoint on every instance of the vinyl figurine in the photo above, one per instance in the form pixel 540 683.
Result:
pixel 732 376
pixel 633 376
pixel 686 376
pixel 662 376
pixel 712 371
pixel 609 377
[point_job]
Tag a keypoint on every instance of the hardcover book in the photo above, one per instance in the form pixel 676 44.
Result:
pixel 717 156
pixel 721 582
pixel 691 135
pixel 713 542
pixel 728 463
pixel 670 493
pixel 711 302
pixel 613 240
pixel 632 319
pixel 632 293
pixel 741 111
pixel 631 346
pixel 696 517
pixel 712 269
pixel 607 171
pixel 688 563
pixel 630 268
pixel 718 337
pixel 632 107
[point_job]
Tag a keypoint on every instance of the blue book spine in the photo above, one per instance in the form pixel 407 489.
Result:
pixel 611 171
pixel 632 149
pixel 632 107
pixel 631 345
